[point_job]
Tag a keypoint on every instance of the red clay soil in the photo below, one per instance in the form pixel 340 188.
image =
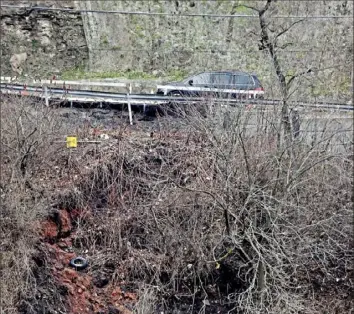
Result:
pixel 83 297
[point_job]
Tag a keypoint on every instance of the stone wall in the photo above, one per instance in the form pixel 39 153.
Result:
pixel 50 41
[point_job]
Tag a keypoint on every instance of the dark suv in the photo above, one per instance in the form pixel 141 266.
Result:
pixel 235 84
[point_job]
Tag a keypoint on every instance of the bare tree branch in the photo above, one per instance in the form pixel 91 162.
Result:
pixel 284 46
pixel 288 28
pixel 248 7
pixel 296 76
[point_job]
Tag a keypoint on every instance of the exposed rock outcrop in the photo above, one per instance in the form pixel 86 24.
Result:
pixel 41 43
pixel 17 61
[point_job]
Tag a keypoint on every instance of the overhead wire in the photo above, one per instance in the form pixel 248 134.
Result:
pixel 41 8
pixel 211 51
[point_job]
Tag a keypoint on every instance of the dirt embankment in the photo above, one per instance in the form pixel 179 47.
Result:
pixel 86 291
pixel 177 222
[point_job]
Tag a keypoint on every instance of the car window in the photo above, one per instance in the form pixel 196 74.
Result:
pixel 201 79
pixel 222 79
pixel 257 81
pixel 244 80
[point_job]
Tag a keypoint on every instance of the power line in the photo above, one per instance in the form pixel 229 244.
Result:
pixel 206 51
pixel 212 50
pixel 39 8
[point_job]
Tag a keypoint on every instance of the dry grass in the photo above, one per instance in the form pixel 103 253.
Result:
pixel 225 213
pixel 27 134
pixel 220 213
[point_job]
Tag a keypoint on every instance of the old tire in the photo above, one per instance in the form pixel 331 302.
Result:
pixel 79 263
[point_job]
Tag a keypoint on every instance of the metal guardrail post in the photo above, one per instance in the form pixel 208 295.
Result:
pixel 46 95
pixel 130 110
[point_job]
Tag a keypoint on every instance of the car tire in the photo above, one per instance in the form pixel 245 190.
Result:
pixel 174 93
pixel 79 263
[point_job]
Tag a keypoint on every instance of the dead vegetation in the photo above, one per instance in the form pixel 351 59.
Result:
pixel 223 215
pixel 216 218
pixel 26 134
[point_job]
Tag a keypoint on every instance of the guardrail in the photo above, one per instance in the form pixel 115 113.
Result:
pixel 68 84
pixel 71 96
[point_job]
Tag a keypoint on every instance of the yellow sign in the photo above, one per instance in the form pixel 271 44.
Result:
pixel 71 141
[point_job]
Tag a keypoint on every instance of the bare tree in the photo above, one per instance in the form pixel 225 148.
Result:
pixel 271 45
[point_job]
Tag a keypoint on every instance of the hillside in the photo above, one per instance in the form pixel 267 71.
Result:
pixel 71 43
pixel 202 214
pixel 181 206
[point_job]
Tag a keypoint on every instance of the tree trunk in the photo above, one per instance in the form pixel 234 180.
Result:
pixel 266 43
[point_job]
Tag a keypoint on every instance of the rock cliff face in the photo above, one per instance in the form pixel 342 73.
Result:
pixel 52 41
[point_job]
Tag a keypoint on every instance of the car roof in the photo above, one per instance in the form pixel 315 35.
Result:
pixel 234 72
